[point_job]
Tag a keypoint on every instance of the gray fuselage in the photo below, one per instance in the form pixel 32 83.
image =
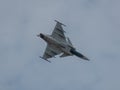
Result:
pixel 63 46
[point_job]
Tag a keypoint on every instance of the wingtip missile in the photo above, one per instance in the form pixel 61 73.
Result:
pixel 60 23
pixel 45 59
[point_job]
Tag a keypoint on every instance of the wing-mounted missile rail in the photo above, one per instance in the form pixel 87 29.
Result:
pixel 45 59
pixel 60 23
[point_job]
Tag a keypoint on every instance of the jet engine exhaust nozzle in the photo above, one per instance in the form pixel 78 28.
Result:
pixel 74 52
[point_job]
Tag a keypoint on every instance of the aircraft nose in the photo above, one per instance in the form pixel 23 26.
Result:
pixel 41 35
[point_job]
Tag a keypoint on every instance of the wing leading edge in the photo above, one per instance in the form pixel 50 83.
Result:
pixel 58 32
pixel 51 51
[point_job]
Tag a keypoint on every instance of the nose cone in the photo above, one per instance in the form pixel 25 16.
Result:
pixel 41 35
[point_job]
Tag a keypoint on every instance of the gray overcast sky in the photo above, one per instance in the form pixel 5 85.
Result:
pixel 92 25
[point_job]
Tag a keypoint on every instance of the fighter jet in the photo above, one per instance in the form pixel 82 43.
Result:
pixel 58 43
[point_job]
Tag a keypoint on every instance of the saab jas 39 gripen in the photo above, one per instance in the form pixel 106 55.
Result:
pixel 57 43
